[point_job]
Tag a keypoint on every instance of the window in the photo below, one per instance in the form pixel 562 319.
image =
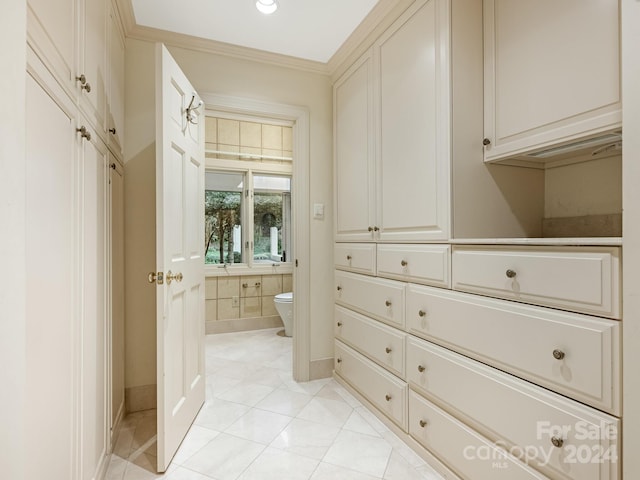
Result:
pixel 266 219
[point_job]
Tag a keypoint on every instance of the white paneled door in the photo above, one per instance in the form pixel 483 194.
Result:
pixel 180 249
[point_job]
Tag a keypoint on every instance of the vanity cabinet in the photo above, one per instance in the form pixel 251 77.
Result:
pixel 552 73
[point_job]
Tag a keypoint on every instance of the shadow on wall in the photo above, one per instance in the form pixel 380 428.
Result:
pixel 140 296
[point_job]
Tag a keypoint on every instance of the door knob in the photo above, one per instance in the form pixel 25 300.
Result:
pixel 173 276
pixel 156 278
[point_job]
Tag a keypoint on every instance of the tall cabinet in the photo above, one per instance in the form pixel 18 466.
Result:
pixel 483 341
pixel 74 223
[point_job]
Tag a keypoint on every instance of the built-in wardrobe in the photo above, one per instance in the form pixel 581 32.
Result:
pixel 477 272
pixel 74 211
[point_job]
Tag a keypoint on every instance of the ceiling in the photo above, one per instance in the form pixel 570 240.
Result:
pixel 308 29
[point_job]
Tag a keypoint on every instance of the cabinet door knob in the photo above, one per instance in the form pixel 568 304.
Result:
pixel 349 257
pixel 339 288
pixel 86 87
pixel 339 324
pixel 339 360
pixel 558 354
pixel 388 397
pixel 112 131
pixel 387 303
pixel 423 423
pixel 422 313
pixel 486 142
pixel 370 229
pixel 82 79
pixel 84 133
pixel 404 263
pixel 388 350
pixel 511 273
pixel 557 442
pixel 421 368
pixel 375 229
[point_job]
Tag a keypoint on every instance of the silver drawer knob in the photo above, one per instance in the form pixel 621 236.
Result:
pixel 387 303
pixel 558 354
pixel 421 368
pixel 423 423
pixel 388 397
pixel 511 273
pixel 557 442
pixel 388 350
pixel 422 313
pixel 404 263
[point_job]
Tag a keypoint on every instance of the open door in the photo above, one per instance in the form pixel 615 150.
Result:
pixel 180 250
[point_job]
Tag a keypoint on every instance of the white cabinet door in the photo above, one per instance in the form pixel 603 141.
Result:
pixel 354 153
pixel 414 147
pixel 552 72
pixel 93 63
pixel 51 327
pixel 115 121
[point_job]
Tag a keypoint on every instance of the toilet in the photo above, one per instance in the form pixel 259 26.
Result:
pixel 284 306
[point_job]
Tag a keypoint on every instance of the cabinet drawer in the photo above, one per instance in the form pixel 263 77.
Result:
pixel 355 257
pixel 518 414
pixel 525 340
pixel 583 279
pixel 465 451
pixel 428 264
pixel 376 297
pixel 387 392
pixel 383 344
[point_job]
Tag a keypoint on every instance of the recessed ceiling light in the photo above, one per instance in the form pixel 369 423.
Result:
pixel 266 6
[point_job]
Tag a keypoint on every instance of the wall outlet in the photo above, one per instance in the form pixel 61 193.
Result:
pixel 235 301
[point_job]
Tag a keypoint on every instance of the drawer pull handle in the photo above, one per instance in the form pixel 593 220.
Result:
pixel 339 360
pixel 388 397
pixel 423 423
pixel 422 313
pixel 421 368
pixel 339 324
pixel 404 263
pixel 349 257
pixel 338 288
pixel 387 303
pixel 511 273
pixel 388 350
pixel 558 354
pixel 557 442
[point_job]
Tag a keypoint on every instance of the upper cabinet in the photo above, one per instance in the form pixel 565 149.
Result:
pixel 392 143
pixel 355 153
pixel 552 75
pixel 115 97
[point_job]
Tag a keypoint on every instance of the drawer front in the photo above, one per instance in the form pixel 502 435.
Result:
pixel 581 279
pixel 377 297
pixel 563 438
pixel 387 392
pixel 383 344
pixel 464 450
pixel 573 354
pixel 355 257
pixel 427 264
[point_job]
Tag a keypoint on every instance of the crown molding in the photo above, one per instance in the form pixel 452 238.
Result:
pixel 139 32
pixel 374 24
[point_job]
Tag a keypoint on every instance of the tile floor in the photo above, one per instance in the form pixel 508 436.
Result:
pixel 257 423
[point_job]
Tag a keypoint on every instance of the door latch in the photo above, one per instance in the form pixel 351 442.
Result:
pixel 156 277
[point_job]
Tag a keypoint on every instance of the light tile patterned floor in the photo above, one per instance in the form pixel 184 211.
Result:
pixel 259 424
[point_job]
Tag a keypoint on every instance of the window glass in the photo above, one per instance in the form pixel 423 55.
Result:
pixel 271 218
pixel 223 217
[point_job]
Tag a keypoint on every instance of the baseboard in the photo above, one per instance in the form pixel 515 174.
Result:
pixel 143 397
pixel 242 324
pixel 322 368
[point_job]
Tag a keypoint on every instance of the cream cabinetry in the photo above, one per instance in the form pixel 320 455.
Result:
pixel 584 279
pixel 115 97
pixel 391 149
pixel 518 413
pixel 355 257
pixel 543 85
pixel 428 264
pixel 572 354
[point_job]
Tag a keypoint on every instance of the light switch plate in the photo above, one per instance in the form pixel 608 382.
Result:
pixel 318 210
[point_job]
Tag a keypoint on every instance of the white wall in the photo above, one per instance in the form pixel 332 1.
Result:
pixel 215 74
pixel 12 240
